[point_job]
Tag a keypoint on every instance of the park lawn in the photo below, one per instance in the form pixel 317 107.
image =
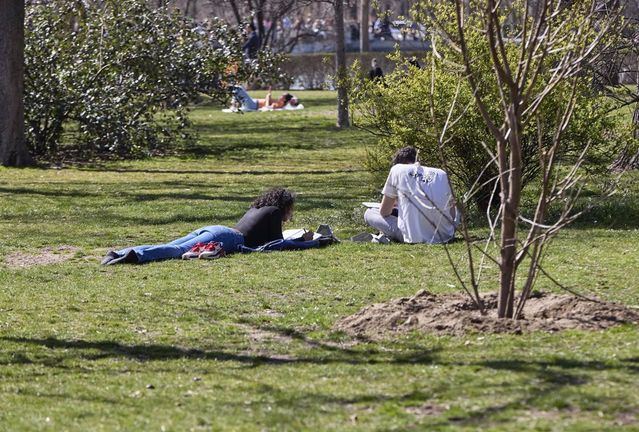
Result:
pixel 245 342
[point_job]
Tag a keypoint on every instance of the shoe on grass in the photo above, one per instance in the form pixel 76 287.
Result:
pixel 326 231
pixel 194 252
pixel 113 258
pixel 212 250
pixel 381 238
pixel 326 241
pixel 109 257
pixel 363 237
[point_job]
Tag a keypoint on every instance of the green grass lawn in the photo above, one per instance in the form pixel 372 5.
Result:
pixel 245 342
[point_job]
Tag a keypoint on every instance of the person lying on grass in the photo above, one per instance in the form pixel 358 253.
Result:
pixel 247 103
pixel 418 205
pixel 261 224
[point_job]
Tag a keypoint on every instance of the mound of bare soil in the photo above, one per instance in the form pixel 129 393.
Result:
pixel 47 255
pixel 456 314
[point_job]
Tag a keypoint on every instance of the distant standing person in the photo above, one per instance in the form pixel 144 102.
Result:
pixel 376 72
pixel 252 44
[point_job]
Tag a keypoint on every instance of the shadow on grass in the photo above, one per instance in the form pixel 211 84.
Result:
pixel 146 353
pixel 260 172
pixel 551 375
pixel 618 215
pixel 132 194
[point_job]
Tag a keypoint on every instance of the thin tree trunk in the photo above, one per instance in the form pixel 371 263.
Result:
pixel 236 11
pixel 187 8
pixel 510 206
pixel 340 66
pixel 13 150
pixel 259 16
pixel 364 12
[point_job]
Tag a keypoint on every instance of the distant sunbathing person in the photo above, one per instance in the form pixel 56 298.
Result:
pixel 247 103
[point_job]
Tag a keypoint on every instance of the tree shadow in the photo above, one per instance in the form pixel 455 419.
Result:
pixel 253 172
pixel 104 349
pixel 552 376
pixel 612 215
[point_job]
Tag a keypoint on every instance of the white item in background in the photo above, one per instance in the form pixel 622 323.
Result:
pixel 287 107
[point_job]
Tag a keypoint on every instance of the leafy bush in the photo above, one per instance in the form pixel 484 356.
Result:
pixel 118 77
pixel 411 107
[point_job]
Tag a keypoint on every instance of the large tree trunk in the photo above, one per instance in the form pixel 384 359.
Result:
pixel 364 12
pixel 13 150
pixel 340 66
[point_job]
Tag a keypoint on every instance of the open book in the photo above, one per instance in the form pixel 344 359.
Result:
pixel 297 233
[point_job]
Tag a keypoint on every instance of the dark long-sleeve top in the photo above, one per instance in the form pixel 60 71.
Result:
pixel 252 45
pixel 260 225
pixel 375 74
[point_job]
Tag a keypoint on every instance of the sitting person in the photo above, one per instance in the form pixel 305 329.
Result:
pixel 261 224
pixel 247 103
pixel 426 211
pixel 376 73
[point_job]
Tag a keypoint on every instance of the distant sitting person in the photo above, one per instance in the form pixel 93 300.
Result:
pixel 418 205
pixel 376 72
pixel 414 62
pixel 261 224
pixel 252 44
pixel 243 101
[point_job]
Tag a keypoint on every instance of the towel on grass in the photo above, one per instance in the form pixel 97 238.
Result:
pixel 287 107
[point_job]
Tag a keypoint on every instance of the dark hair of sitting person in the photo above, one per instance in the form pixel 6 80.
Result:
pixel 405 155
pixel 277 197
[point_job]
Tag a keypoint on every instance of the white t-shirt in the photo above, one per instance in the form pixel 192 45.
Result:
pixel 424 200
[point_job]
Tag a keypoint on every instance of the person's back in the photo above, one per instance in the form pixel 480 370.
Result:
pixel 425 203
pixel 260 225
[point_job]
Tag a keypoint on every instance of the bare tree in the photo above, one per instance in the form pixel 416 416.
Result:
pixel 13 150
pixel 340 66
pixel 364 12
pixel 548 50
pixel 266 14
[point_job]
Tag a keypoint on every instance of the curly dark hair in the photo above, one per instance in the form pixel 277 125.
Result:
pixel 277 197
pixel 405 155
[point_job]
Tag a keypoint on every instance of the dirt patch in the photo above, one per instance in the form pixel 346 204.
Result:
pixel 47 255
pixel 456 314
pixel 427 410
pixel 625 419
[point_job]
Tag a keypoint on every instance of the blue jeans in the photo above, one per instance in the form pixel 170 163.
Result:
pixel 248 103
pixel 231 240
